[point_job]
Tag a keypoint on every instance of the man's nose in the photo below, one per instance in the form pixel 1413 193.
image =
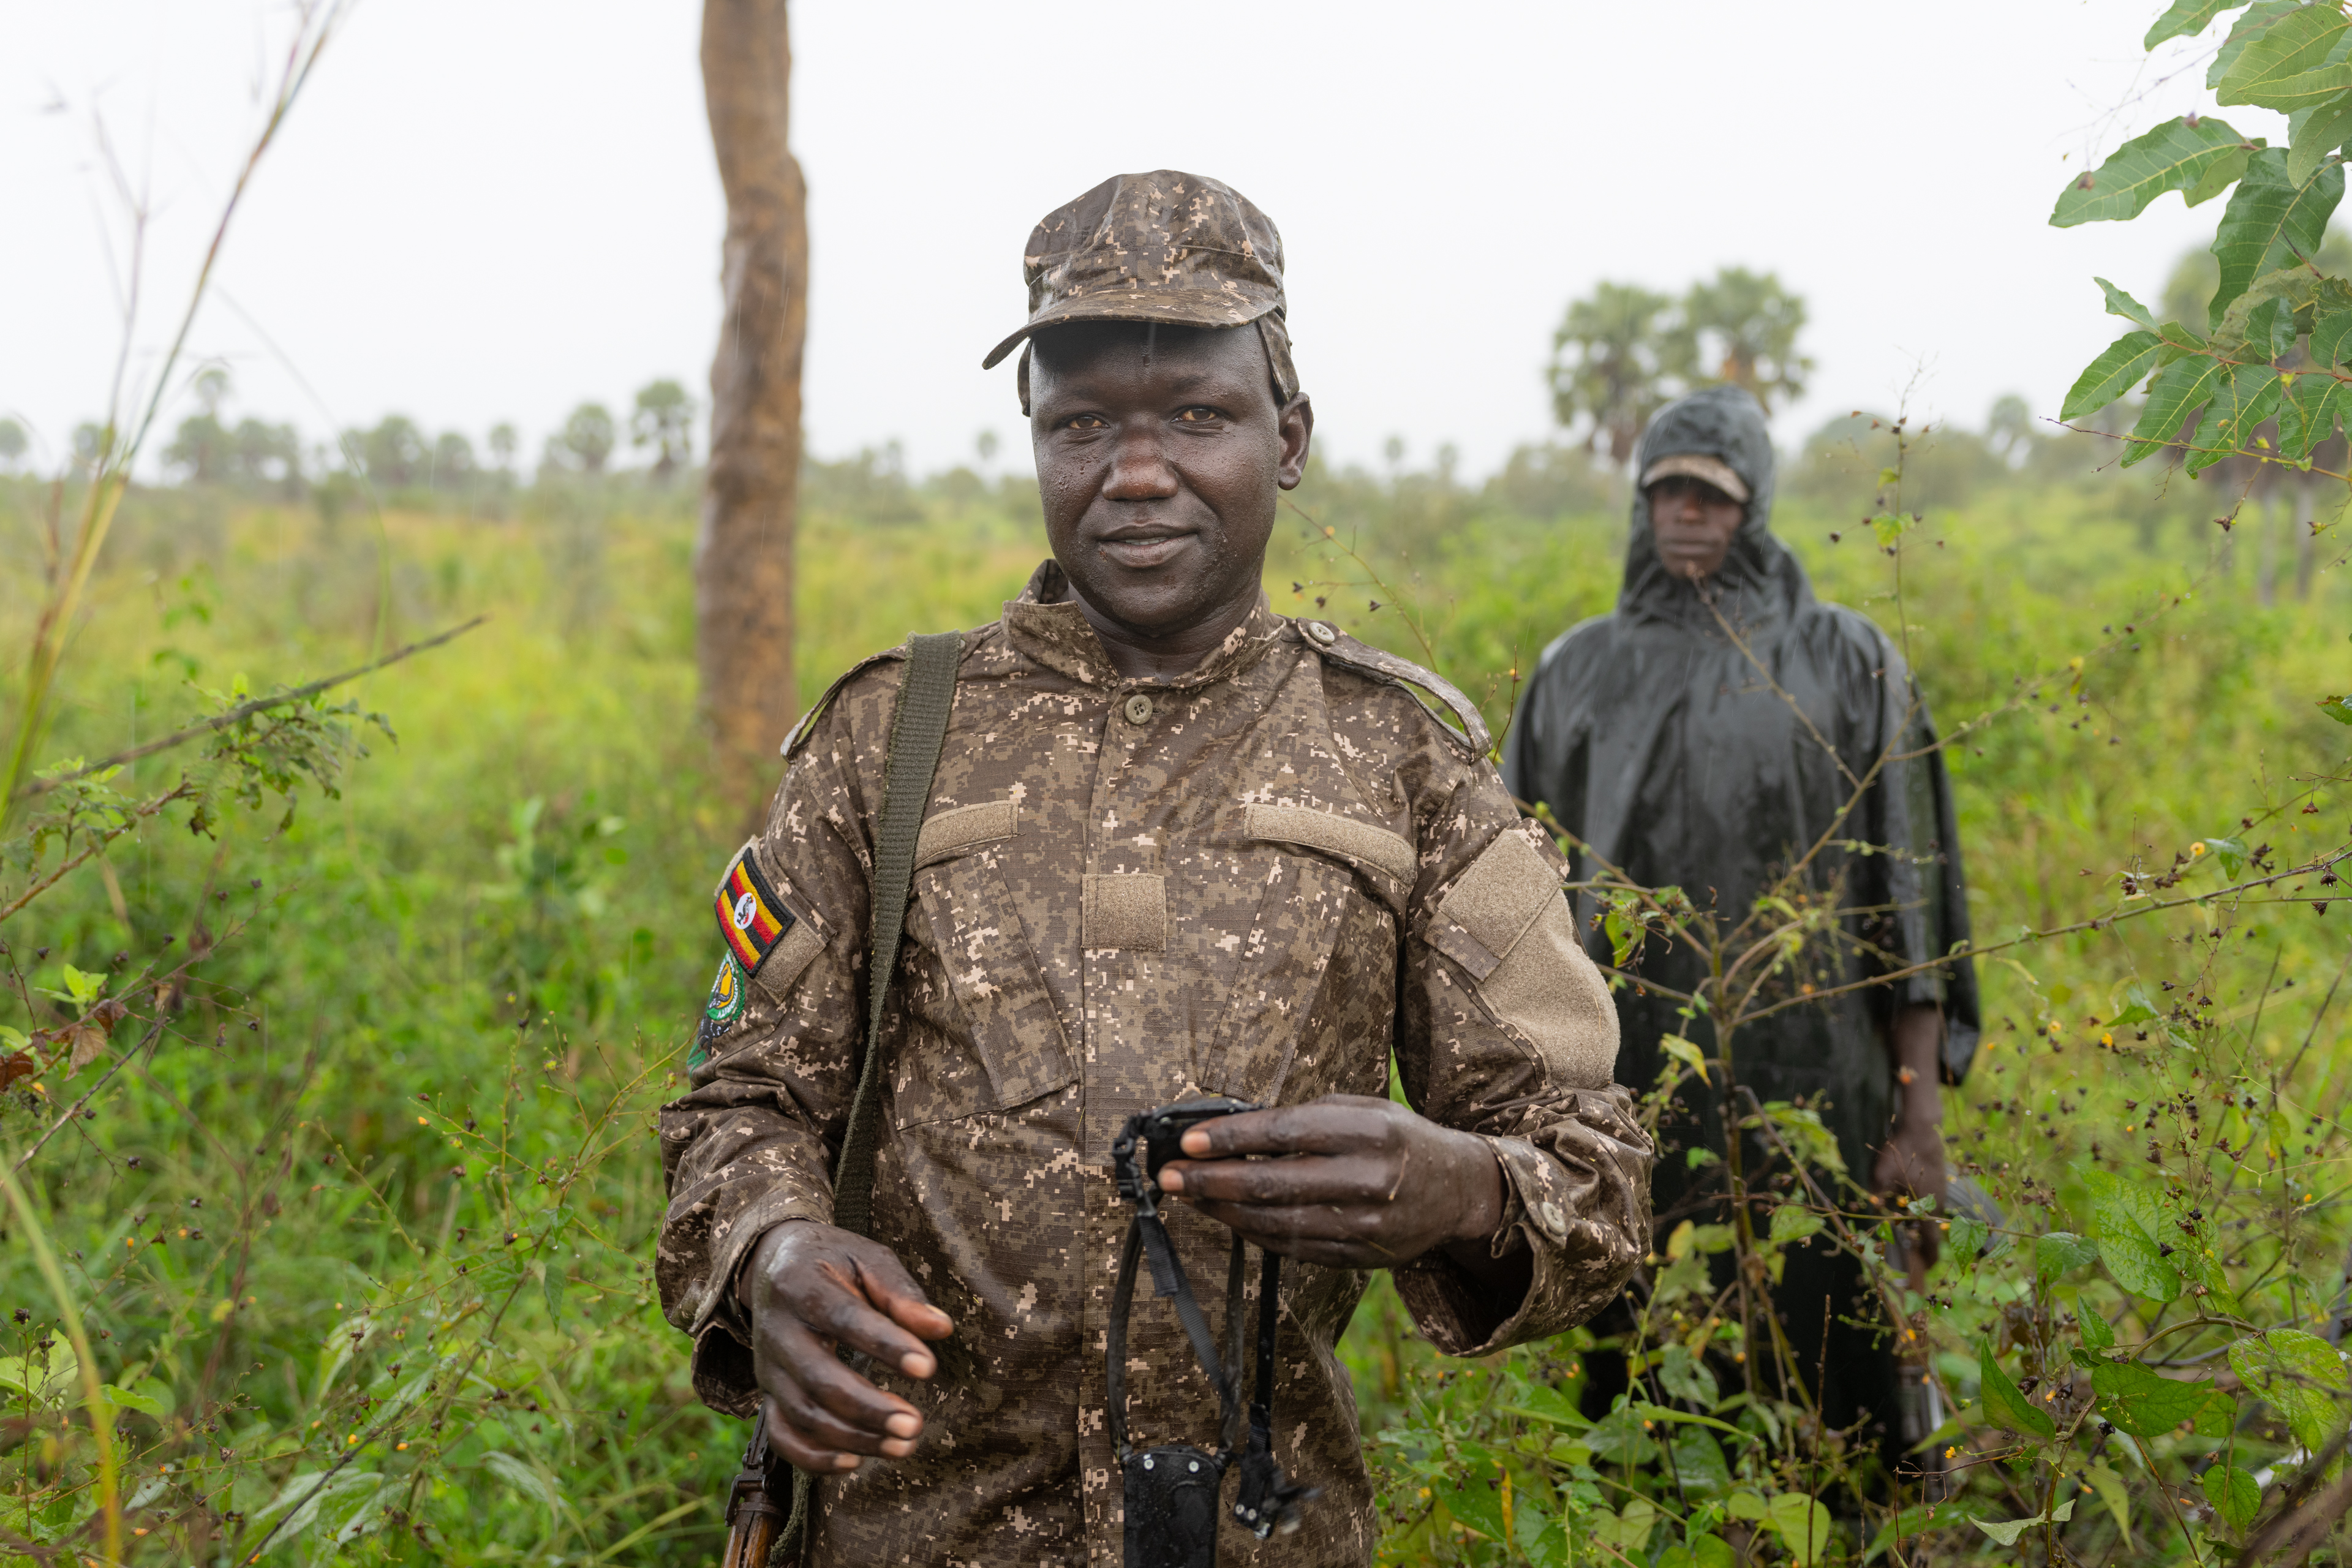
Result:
pixel 1139 469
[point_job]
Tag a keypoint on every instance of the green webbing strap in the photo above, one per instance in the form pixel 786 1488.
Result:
pixel 918 729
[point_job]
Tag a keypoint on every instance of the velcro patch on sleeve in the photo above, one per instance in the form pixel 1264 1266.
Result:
pixel 1507 923
pixel 751 918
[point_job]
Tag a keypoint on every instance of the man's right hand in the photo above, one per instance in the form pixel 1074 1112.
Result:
pixel 812 1287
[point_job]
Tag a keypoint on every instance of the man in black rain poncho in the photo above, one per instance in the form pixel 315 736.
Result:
pixel 1685 758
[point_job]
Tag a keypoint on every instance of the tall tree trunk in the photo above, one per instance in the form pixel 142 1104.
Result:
pixel 743 557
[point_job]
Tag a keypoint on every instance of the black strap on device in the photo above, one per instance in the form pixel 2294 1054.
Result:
pixel 1171 1491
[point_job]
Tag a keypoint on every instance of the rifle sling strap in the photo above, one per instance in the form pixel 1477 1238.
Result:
pixel 919 729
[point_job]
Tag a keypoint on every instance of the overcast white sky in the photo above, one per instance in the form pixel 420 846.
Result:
pixel 491 209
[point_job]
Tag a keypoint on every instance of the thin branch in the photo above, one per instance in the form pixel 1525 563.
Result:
pixel 244 710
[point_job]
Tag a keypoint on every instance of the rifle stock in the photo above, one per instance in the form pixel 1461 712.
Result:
pixel 754 1516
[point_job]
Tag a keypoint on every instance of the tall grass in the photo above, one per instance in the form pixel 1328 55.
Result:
pixel 360 1234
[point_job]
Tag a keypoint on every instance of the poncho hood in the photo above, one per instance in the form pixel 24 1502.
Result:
pixel 1760 583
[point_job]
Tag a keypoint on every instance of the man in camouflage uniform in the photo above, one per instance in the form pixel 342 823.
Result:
pixel 1177 845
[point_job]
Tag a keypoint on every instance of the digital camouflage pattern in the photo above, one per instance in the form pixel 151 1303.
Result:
pixel 1255 880
pixel 1179 249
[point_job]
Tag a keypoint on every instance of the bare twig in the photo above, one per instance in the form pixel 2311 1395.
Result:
pixel 245 711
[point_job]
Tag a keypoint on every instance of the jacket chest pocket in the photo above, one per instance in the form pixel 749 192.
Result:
pixel 1310 977
pixel 994 1040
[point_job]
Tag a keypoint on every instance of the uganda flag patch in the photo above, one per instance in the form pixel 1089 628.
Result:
pixel 750 916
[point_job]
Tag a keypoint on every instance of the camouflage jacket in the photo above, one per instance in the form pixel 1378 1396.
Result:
pixel 1259 879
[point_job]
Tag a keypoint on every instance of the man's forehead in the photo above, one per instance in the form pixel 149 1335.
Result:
pixel 1175 357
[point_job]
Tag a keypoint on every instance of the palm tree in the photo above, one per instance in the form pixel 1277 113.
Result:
pixel 664 419
pixel 588 435
pixel 1741 328
pixel 1608 366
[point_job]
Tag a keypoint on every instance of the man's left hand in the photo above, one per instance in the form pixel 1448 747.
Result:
pixel 1368 1183
pixel 1911 1161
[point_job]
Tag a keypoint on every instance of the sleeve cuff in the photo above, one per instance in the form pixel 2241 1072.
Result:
pixel 721 1327
pixel 1580 1262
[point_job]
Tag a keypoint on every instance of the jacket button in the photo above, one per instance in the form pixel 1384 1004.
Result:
pixel 1323 636
pixel 1139 709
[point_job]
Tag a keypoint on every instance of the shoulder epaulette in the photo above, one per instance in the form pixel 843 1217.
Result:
pixel 807 725
pixel 1338 648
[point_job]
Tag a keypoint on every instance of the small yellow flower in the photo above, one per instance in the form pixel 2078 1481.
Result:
pixel 2196 849
pixel 2106 1039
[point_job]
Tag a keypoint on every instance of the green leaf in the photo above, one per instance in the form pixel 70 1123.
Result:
pixel 1617 1438
pixel 83 988
pixel 2235 1495
pixel 2186 18
pixel 2271 222
pixel 2296 62
pixel 2220 174
pixel 2097 1334
pixel 2299 1375
pixel 1685 1377
pixel 2174 156
pixel 2112 1492
pixel 2242 33
pixel 1793 1222
pixel 551 1284
pixel 1968 1237
pixel 1544 1540
pixel 2004 1406
pixel 2331 331
pixel 145 1404
pixel 2120 303
pixel 520 1476
pixel 2229 852
pixel 2217 1418
pixel 1803 1525
pixel 2179 390
pixel 2259 324
pixel 2248 398
pixel 1701 1552
pixel 1548 1404
pixel 2309 412
pixel 2125 1220
pixel 1476 1500
pixel 2007 1531
pixel 2316 132
pixel 1698 1463
pixel 2133 1005
pixel 2060 1253
pixel 2338 707
pixel 2141 1403
pixel 1685 1052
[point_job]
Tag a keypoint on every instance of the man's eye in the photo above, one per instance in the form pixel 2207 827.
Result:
pixel 1088 422
pixel 1196 415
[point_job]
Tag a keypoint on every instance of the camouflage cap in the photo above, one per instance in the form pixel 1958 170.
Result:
pixel 1166 246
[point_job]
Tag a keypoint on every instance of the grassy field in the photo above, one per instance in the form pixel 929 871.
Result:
pixel 375 1205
